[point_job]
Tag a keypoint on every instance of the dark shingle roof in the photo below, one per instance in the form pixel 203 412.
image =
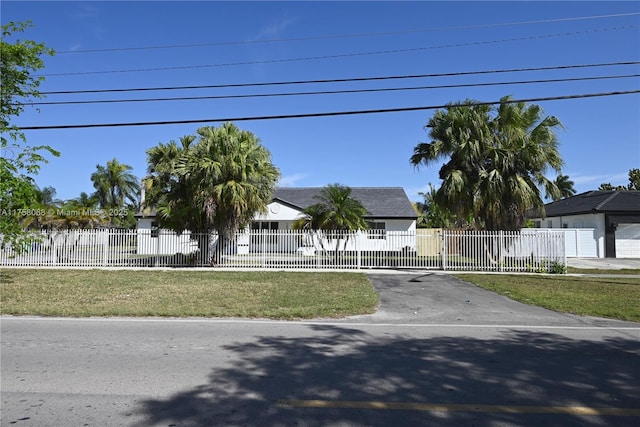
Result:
pixel 627 202
pixel 380 202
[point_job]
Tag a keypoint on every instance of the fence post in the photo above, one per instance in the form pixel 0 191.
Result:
pixel 157 258
pixel 564 252
pixel 500 254
pixel 358 253
pixel 54 248
pixel 444 248
pixel 105 246
pixel 263 243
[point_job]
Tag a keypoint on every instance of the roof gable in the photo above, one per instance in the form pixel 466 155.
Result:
pixel 380 202
pixel 596 202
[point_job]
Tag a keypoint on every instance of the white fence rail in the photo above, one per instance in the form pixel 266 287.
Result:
pixel 287 249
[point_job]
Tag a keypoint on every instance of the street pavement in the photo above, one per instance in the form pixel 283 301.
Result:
pixel 438 352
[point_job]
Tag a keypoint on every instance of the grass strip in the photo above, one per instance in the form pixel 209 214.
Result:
pixel 617 298
pixel 274 295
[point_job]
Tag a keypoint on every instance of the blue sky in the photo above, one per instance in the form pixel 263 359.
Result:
pixel 600 141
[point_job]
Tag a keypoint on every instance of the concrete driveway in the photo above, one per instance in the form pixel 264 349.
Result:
pixel 441 299
pixel 604 263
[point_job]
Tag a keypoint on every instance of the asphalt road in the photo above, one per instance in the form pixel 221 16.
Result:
pixel 415 362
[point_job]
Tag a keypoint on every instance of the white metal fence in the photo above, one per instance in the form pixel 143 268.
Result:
pixel 287 249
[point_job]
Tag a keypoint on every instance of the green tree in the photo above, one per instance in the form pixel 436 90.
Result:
pixel 430 215
pixel 216 180
pixel 117 191
pixel 83 201
pixel 565 188
pixel 634 183
pixel 607 186
pixel 170 194
pixel 115 184
pixel 634 179
pixel 46 197
pixel 496 161
pixel 336 214
pixel 18 161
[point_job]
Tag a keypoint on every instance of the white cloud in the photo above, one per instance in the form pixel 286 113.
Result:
pixel 273 30
pixel 615 179
pixel 86 10
pixel 412 192
pixel 291 180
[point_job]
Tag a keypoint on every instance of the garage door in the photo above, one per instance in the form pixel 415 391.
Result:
pixel 628 241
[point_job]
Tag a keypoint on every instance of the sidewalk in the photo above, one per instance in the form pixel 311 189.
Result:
pixel 604 263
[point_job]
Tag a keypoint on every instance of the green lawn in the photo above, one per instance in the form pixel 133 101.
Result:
pixel 592 296
pixel 276 295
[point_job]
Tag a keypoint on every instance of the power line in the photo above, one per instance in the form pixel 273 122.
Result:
pixel 333 92
pixel 355 79
pixel 353 35
pixel 344 55
pixel 328 114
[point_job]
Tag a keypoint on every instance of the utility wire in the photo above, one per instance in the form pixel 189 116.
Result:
pixel 333 92
pixel 344 55
pixel 340 36
pixel 329 114
pixel 355 79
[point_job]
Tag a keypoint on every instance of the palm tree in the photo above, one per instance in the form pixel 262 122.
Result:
pixel 496 163
pixel 115 186
pixel 430 215
pixel 170 194
pixel 565 188
pixel 47 197
pixel 219 183
pixel 336 213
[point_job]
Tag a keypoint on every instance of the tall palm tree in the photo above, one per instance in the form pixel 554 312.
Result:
pixel 336 213
pixel 115 184
pixel 497 159
pixel 565 188
pixel 217 183
pixel 170 194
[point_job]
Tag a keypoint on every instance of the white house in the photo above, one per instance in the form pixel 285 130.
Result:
pixel 613 217
pixel 391 218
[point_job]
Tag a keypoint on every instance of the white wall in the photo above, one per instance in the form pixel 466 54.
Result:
pixel 170 243
pixel 588 243
pixel 575 221
pixel 166 243
pixel 578 242
pixel 279 212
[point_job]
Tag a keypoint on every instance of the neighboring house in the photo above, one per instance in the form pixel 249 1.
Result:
pixel 614 215
pixel 389 208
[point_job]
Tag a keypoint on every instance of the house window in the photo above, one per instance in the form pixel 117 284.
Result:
pixel 155 231
pixel 537 224
pixel 269 228
pixel 264 225
pixel 377 230
pixel 549 224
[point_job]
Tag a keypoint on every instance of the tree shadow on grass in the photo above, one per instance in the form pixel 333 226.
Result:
pixel 7 277
pixel 344 364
